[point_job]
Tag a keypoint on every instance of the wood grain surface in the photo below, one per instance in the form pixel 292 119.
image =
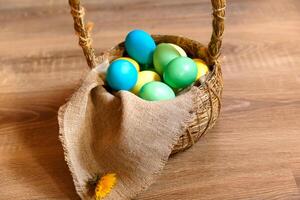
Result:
pixel 252 153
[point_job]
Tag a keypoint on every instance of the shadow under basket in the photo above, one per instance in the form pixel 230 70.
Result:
pixel 205 114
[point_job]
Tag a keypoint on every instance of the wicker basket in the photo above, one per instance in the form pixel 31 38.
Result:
pixel 205 115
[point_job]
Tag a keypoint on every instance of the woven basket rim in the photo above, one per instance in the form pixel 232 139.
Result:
pixel 106 54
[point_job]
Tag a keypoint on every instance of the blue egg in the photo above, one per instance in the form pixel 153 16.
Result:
pixel 140 46
pixel 121 75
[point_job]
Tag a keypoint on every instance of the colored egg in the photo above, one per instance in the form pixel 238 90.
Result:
pixel 156 91
pixel 179 49
pixel 143 78
pixel 136 65
pixel 163 54
pixel 180 72
pixel 140 46
pixel 202 68
pixel 121 75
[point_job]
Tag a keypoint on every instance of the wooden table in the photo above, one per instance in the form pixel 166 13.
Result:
pixel 252 153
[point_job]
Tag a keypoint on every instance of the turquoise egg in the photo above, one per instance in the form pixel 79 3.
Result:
pixel 121 75
pixel 140 46
pixel 156 91
pixel 180 72
pixel 163 54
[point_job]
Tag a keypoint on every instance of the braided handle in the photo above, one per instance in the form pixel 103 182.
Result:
pixel 85 41
pixel 215 43
pixel 83 32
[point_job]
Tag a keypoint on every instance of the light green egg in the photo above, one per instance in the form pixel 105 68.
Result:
pixel 163 54
pixel 156 91
pixel 180 72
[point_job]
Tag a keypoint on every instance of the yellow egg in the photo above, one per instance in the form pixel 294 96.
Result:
pixel 143 78
pixel 202 68
pixel 136 65
pixel 178 49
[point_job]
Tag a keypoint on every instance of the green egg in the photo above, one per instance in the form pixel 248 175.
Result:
pixel 180 72
pixel 162 55
pixel 156 91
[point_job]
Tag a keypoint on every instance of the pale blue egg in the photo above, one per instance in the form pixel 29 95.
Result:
pixel 140 46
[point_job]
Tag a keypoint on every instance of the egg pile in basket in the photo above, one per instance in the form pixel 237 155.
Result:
pixel 153 72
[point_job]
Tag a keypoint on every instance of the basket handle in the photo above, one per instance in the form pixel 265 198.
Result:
pixel 85 41
pixel 215 44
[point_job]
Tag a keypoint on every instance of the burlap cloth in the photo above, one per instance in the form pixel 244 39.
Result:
pixel 121 133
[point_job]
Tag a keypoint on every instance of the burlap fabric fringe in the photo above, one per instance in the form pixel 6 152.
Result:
pixel 123 134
